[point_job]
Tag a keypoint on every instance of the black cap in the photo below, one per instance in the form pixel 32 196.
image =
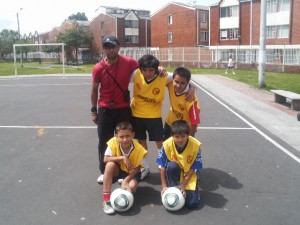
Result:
pixel 109 39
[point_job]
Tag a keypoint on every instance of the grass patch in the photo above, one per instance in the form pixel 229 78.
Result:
pixel 282 81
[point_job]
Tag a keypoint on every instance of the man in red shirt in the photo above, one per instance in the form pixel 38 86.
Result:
pixel 111 77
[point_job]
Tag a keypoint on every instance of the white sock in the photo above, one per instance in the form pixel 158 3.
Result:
pixel 146 162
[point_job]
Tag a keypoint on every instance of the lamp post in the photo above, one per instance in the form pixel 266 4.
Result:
pixel 20 35
pixel 19 23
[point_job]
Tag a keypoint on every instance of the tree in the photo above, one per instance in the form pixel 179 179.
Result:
pixel 7 39
pixel 79 17
pixel 75 38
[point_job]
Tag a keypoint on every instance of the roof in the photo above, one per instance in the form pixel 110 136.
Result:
pixel 193 7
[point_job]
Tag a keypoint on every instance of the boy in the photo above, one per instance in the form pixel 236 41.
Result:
pixel 148 96
pixel 179 159
pixel 180 108
pixel 123 159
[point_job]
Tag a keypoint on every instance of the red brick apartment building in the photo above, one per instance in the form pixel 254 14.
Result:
pixel 235 30
pixel 180 25
pixel 131 26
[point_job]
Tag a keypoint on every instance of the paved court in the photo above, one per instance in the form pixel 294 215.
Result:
pixel 48 160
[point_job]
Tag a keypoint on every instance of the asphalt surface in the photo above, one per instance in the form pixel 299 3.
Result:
pixel 48 158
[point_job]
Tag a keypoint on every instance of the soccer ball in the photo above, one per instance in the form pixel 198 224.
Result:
pixel 173 199
pixel 121 200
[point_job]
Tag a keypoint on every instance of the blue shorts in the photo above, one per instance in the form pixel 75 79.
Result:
pixel 154 127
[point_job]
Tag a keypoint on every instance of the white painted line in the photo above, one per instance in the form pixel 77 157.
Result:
pixel 251 125
pixel 225 128
pixel 34 85
pixel 51 127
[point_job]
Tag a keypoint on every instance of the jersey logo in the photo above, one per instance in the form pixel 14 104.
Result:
pixel 181 107
pixel 155 91
pixel 189 159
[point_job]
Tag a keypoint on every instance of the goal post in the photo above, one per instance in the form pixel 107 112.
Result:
pixel 40 53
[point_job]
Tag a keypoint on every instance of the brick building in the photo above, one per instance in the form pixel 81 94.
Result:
pixel 235 30
pixel 180 25
pixel 131 26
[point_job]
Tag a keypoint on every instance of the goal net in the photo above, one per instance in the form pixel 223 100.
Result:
pixel 39 58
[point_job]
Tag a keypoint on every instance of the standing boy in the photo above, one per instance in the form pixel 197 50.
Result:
pixel 123 159
pixel 180 108
pixel 146 105
pixel 179 160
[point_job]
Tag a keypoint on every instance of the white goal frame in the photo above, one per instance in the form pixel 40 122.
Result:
pixel 55 44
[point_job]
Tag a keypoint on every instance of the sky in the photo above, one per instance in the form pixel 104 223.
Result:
pixel 43 16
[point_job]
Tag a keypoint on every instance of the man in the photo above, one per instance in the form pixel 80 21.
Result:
pixel 111 77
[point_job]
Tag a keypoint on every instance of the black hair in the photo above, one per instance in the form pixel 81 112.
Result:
pixel 124 126
pixel 180 127
pixel 182 72
pixel 148 61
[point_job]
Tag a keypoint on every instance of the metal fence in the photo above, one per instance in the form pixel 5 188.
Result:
pixel 277 59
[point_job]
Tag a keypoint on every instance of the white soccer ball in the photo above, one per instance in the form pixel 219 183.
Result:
pixel 173 199
pixel 121 200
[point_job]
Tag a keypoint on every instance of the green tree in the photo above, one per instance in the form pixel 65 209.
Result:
pixel 55 50
pixel 79 17
pixel 7 39
pixel 75 38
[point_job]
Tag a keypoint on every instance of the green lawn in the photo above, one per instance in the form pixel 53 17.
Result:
pixel 283 81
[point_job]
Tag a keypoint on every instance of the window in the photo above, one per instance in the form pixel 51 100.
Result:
pixel 278 5
pixel 230 11
pixel 204 36
pixel 131 24
pixel 272 6
pixel 203 17
pixel 283 31
pixel 101 25
pixel 170 19
pixel 284 5
pixel 229 34
pixel 271 32
pixel 132 39
pixel 170 37
pixel 292 56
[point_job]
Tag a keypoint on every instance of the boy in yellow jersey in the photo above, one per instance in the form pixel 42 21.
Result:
pixel 123 160
pixel 180 108
pixel 179 159
pixel 146 105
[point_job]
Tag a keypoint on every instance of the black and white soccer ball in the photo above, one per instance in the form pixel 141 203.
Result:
pixel 121 200
pixel 173 199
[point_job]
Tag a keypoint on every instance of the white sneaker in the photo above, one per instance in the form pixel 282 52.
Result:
pixel 120 180
pixel 145 172
pixel 226 72
pixel 107 208
pixel 100 179
pixel 233 73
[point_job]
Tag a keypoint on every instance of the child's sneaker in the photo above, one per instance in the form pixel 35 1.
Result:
pixel 107 208
pixel 100 179
pixel 145 172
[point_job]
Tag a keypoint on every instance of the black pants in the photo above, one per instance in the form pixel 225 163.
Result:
pixel 108 119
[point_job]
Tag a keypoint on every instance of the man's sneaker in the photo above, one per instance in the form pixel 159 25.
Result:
pixel 233 73
pixel 145 172
pixel 100 179
pixel 226 72
pixel 107 208
pixel 120 180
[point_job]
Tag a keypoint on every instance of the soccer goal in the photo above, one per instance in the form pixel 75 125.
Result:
pixel 48 58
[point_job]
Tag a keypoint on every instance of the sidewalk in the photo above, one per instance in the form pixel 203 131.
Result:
pixel 257 104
